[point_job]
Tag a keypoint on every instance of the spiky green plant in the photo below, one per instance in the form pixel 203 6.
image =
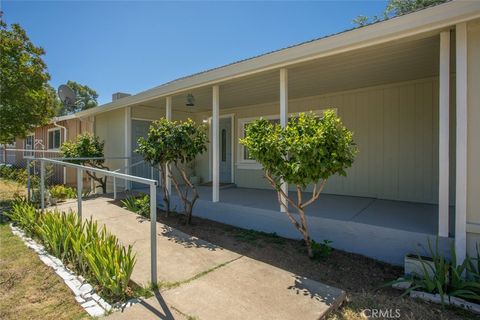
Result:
pixel 83 246
pixel 140 205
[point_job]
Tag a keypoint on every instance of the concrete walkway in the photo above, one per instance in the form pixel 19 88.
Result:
pixel 206 281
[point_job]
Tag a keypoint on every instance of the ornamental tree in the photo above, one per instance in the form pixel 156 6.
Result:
pixel 87 146
pixel 308 151
pixel 177 144
pixel 153 150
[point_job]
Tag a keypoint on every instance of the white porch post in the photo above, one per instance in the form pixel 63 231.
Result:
pixel 168 116
pixel 215 144
pixel 284 118
pixel 128 143
pixel 443 143
pixel 461 144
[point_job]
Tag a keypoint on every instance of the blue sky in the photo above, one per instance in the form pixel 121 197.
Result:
pixel 133 46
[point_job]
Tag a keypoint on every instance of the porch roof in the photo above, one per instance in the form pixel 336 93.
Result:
pixel 423 23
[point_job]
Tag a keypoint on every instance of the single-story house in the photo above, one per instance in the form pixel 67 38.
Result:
pixel 46 141
pixel 409 89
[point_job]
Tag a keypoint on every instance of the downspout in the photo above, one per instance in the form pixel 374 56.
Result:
pixel 65 134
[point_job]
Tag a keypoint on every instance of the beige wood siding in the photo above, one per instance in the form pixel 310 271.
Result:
pixel 110 127
pixel 473 157
pixel 395 127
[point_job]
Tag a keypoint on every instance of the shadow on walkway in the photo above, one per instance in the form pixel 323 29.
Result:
pixel 164 313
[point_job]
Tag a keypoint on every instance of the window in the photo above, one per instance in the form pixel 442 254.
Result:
pixel 224 145
pixel 54 138
pixel 29 145
pixel 246 161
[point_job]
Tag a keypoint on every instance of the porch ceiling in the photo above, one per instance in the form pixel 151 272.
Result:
pixel 387 63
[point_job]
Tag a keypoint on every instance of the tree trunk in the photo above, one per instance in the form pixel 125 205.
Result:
pixel 166 196
pixel 308 243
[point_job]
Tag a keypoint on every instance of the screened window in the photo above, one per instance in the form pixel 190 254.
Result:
pixel 54 139
pixel 245 159
pixel 29 144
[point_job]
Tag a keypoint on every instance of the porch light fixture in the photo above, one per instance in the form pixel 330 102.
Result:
pixel 190 100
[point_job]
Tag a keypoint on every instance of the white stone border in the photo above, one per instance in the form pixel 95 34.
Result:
pixel 436 298
pixel 84 293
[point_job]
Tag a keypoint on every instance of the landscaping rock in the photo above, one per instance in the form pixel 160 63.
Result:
pixel 470 306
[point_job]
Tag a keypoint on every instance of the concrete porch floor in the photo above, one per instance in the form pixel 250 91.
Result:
pixel 381 229
pixel 403 215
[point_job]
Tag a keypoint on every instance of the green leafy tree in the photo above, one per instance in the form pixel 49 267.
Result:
pixel 86 98
pixel 175 143
pixel 396 8
pixel 306 152
pixel 87 146
pixel 153 149
pixel 26 99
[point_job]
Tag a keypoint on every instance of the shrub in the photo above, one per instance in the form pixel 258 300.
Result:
pixel 62 192
pixel 82 246
pixel 140 205
pixel 87 146
pixel 10 173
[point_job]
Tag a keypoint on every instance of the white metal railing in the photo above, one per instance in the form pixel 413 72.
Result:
pixel 116 175
pixel 129 167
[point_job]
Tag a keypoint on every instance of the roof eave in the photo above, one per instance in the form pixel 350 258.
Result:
pixel 423 21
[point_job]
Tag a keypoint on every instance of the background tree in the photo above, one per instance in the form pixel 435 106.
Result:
pixel 87 146
pixel 86 98
pixel 176 143
pixel 396 8
pixel 26 99
pixel 306 152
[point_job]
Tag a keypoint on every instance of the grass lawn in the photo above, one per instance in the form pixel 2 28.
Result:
pixel 361 277
pixel 28 288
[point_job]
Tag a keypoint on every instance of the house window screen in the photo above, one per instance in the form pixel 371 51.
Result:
pixel 54 139
pixel 29 143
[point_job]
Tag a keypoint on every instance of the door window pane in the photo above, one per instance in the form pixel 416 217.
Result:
pixel 224 145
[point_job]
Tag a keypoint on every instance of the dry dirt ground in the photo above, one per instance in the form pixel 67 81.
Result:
pixel 361 277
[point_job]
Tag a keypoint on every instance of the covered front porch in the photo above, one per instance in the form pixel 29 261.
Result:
pixel 381 229
pixel 401 102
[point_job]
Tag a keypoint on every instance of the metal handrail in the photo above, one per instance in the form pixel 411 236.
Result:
pixel 80 168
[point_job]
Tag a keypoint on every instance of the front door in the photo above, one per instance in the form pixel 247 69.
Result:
pixel 225 150
pixel 140 129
